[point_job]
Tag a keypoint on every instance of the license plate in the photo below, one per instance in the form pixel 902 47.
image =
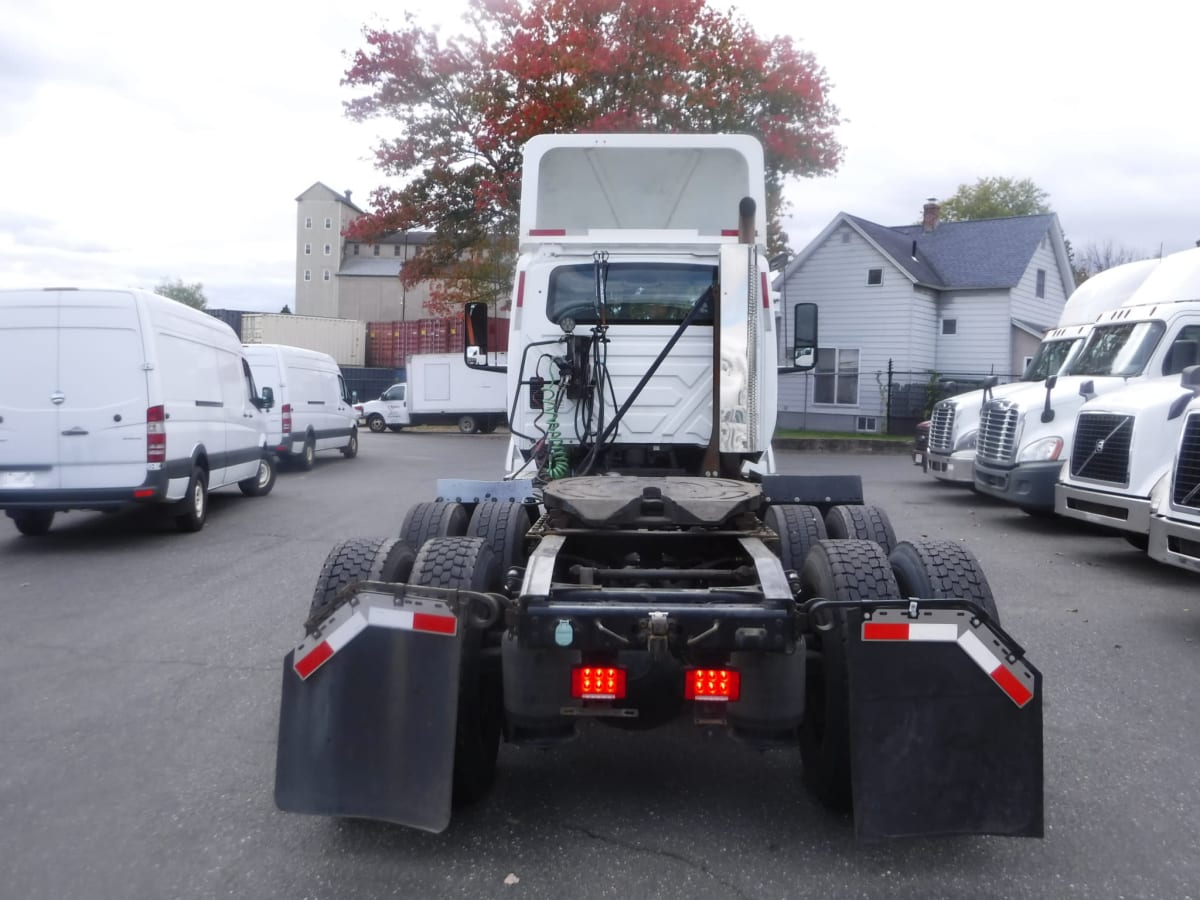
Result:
pixel 16 479
pixel 918 458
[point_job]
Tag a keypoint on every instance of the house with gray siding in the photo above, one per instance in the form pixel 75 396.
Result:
pixel 935 300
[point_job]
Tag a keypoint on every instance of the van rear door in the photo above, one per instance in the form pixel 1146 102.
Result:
pixel 28 388
pixel 102 379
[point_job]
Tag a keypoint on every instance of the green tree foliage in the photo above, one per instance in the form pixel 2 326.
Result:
pixel 189 294
pixel 286 311
pixel 465 105
pixel 995 198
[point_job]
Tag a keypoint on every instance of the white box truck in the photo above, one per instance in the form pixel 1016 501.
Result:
pixel 312 411
pixel 441 390
pixel 954 423
pixel 1175 516
pixel 1024 437
pixel 113 397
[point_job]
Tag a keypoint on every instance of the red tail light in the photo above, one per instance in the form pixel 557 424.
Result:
pixel 156 435
pixel 712 684
pixel 597 683
pixel 287 418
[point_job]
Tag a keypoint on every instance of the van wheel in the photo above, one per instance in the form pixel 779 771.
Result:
pixel 376 424
pixel 32 522
pixel 264 479
pixel 468 424
pixel 308 456
pixel 351 449
pixel 195 503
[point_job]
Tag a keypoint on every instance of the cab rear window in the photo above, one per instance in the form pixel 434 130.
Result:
pixel 638 293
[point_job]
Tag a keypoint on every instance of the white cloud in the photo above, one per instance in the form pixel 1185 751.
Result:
pixel 145 140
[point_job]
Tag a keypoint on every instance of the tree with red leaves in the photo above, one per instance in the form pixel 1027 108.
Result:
pixel 467 104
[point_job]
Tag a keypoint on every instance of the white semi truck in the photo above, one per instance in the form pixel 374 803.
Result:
pixel 954 422
pixel 1025 437
pixel 642 563
pixel 1175 515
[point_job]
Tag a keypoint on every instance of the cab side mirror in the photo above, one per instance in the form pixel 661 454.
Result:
pixel 475 350
pixel 804 337
pixel 268 398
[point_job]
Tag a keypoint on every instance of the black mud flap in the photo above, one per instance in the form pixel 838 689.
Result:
pixel 368 711
pixel 945 727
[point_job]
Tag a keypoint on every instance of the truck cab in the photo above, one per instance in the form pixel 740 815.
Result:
pixel 1174 536
pixel 954 423
pixel 1024 437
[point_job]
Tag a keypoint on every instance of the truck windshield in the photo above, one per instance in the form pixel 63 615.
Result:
pixel 641 293
pixel 1120 350
pixel 1050 358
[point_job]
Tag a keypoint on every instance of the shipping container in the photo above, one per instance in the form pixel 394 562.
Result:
pixel 367 383
pixel 343 339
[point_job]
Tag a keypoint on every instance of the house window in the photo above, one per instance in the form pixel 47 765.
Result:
pixel 376 249
pixel 356 249
pixel 395 250
pixel 324 274
pixel 845 236
pixel 949 326
pixel 836 377
pixel 308 274
pixel 308 249
pixel 874 276
pixel 328 222
pixel 328 249
pixel 308 221
pixel 1041 282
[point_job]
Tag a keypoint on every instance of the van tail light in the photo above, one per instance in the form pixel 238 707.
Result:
pixel 156 435
pixel 597 683
pixel 287 418
pixel 712 684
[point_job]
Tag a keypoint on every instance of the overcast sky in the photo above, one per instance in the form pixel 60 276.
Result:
pixel 144 141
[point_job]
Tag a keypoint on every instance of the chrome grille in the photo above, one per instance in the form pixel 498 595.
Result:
pixel 1101 448
pixel 941 428
pixel 997 432
pixel 1186 483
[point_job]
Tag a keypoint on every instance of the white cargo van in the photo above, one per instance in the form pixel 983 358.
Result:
pixel 118 397
pixel 312 406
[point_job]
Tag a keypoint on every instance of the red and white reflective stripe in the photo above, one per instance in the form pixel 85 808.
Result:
pixel 400 619
pixel 950 632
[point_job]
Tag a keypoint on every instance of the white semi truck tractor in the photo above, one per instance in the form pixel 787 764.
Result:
pixel 640 561
pixel 954 422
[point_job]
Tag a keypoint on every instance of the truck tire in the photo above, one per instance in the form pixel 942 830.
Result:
pixel 433 518
pixel 942 570
pixel 467 563
pixel 260 484
pixel 376 423
pixel 32 522
pixel 799 527
pixel 351 449
pixel 863 523
pixel 836 570
pixel 468 424
pixel 502 525
pixel 356 559
pixel 194 505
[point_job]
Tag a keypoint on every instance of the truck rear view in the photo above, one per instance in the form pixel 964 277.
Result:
pixel 642 562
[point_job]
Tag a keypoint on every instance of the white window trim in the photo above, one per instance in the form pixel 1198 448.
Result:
pixel 328 222
pixel 328 249
pixel 324 274
pixel 308 249
pixel 836 374
pixel 878 283
pixel 308 221
pixel 308 274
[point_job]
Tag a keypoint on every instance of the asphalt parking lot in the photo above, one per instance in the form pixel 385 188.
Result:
pixel 139 690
